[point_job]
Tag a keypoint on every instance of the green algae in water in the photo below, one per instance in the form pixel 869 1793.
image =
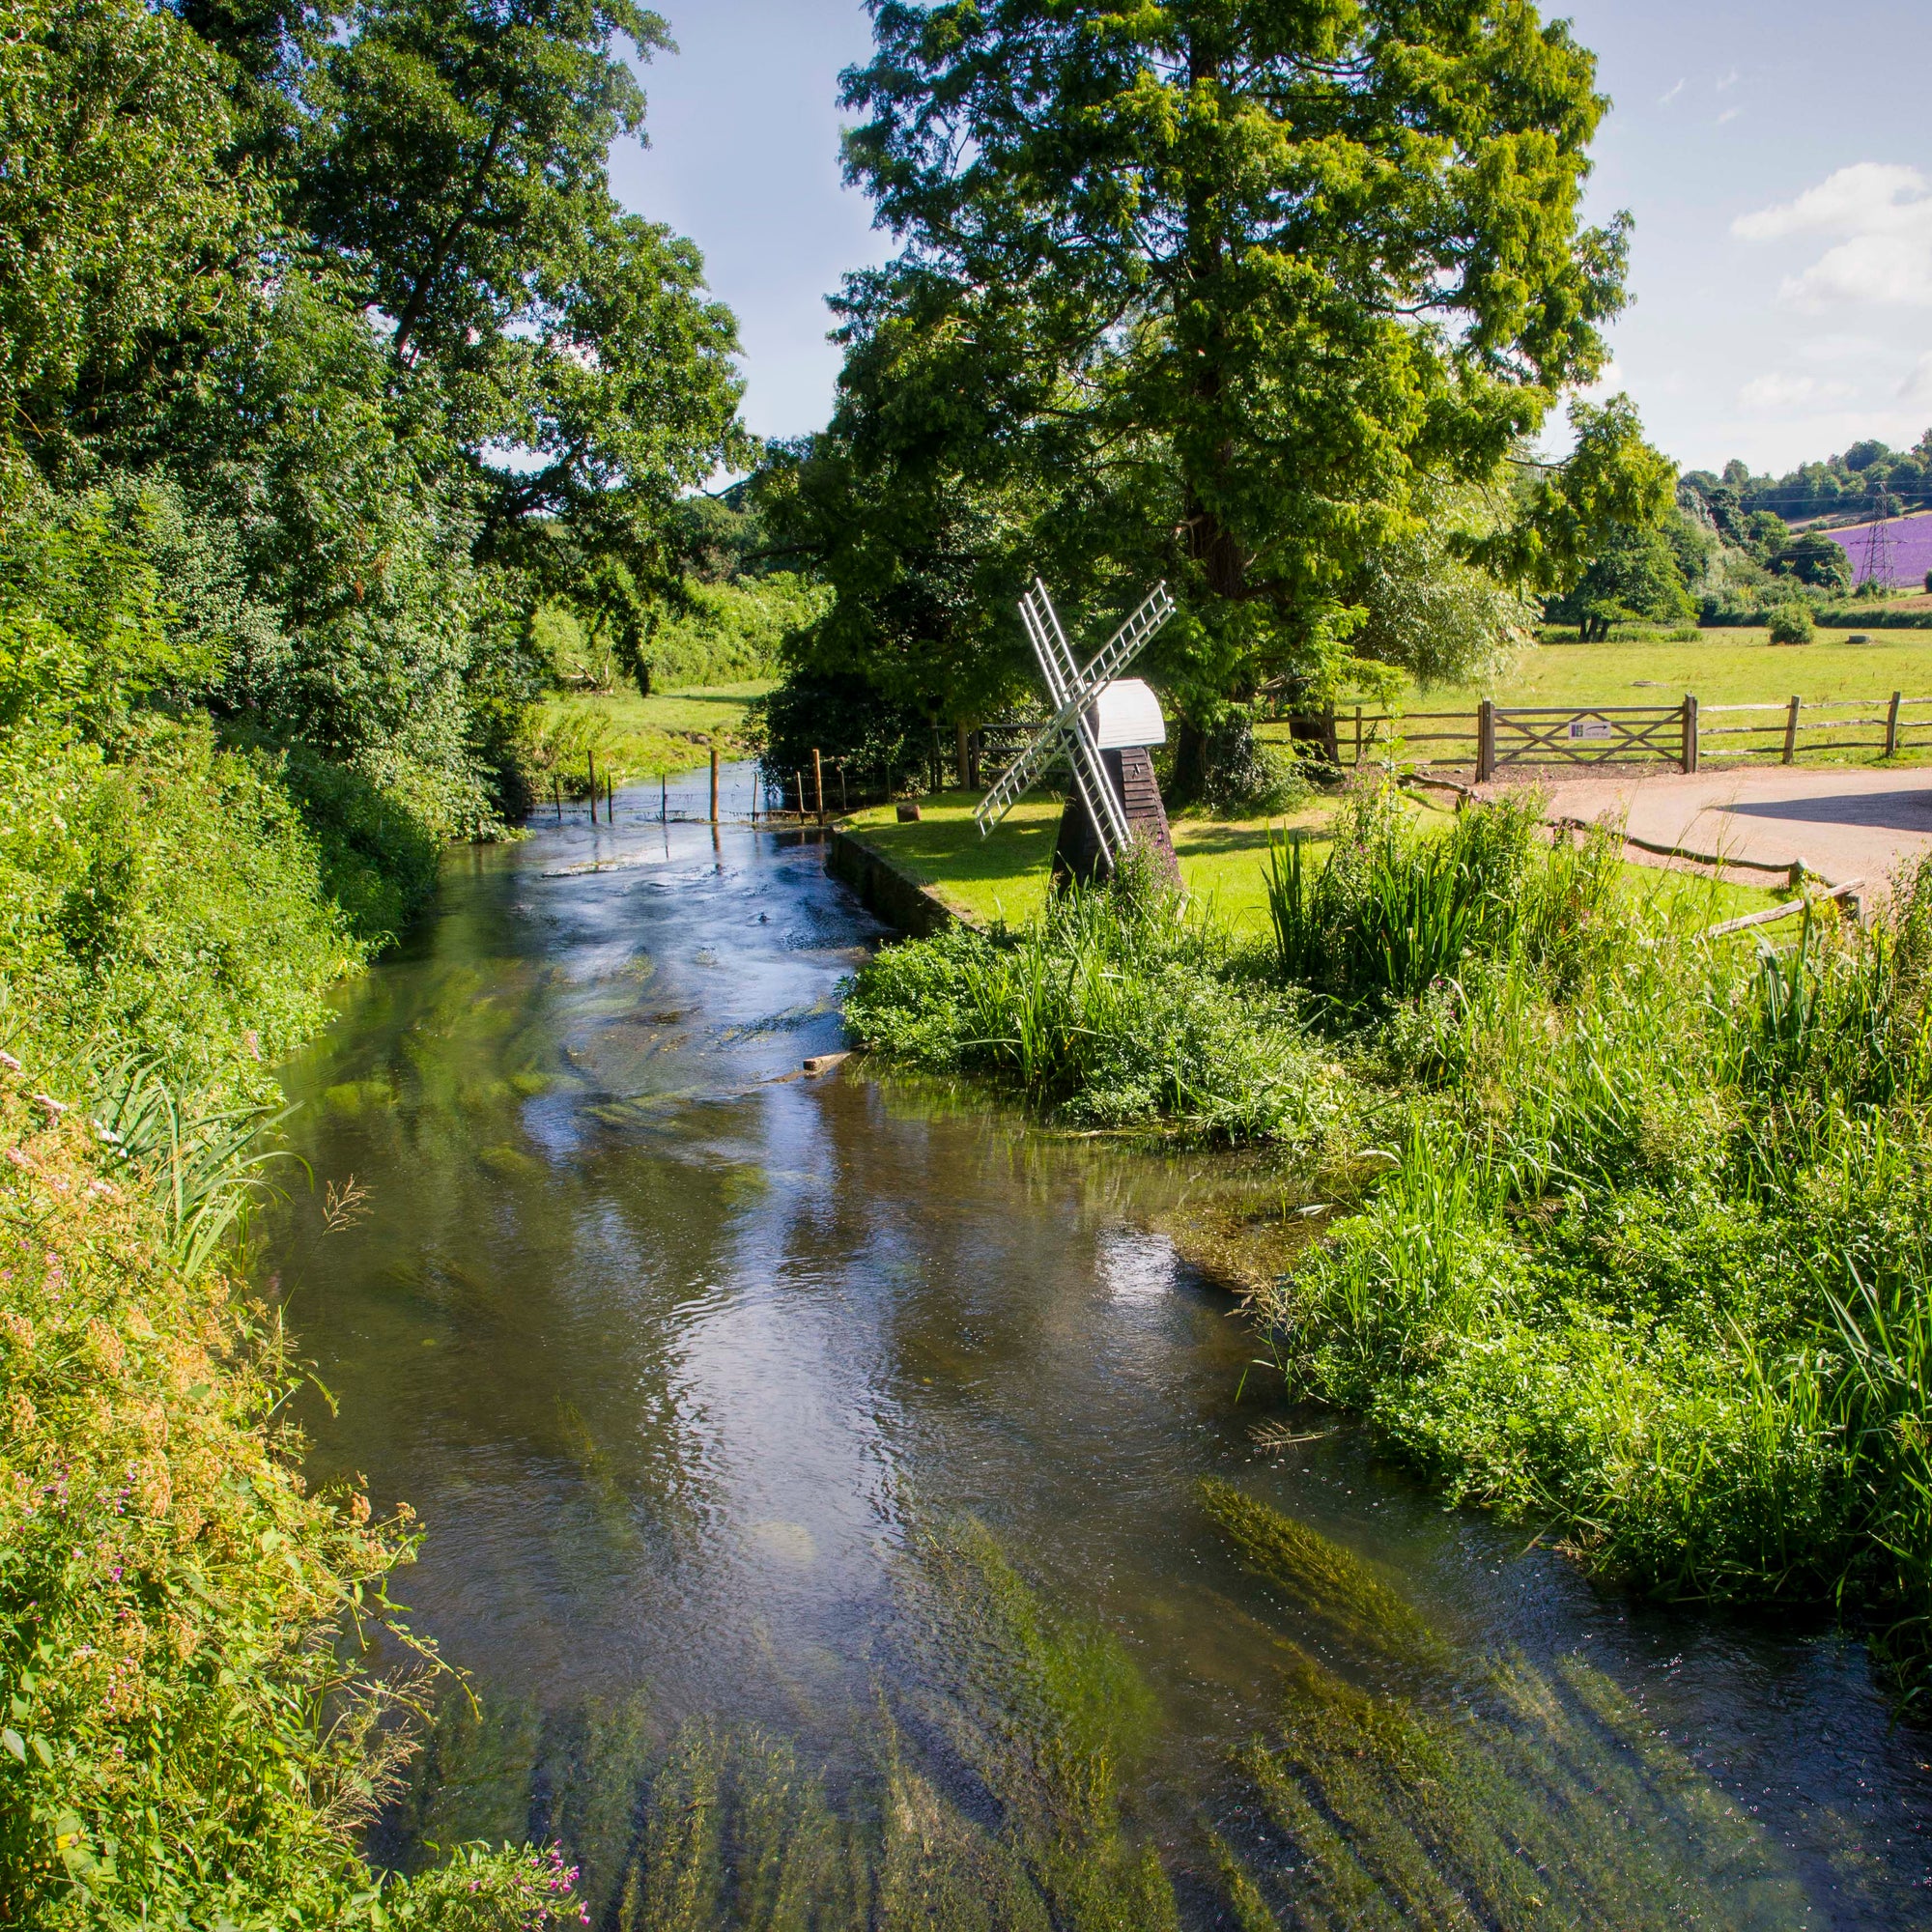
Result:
pixel 995 1793
pixel 1535 1799
pixel 1324 1579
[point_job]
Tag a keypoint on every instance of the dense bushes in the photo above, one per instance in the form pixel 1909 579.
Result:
pixel 191 1737
pixel 1111 1009
pixel 165 901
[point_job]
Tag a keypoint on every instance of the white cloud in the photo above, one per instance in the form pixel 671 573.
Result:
pixel 1918 387
pixel 1730 114
pixel 1777 394
pixel 1729 80
pixel 1883 214
pixel 1664 99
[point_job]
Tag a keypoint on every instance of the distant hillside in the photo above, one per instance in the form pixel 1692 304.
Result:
pixel 1866 480
pixel 1898 552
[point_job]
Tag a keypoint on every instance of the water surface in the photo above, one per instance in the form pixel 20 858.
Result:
pixel 811 1472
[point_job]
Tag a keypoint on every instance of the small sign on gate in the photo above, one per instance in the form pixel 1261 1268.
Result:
pixel 1589 727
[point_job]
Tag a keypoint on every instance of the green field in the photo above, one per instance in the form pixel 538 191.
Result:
pixel 635 738
pixel 1006 874
pixel 1721 667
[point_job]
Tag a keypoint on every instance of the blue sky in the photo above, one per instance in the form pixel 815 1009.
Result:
pixel 1777 160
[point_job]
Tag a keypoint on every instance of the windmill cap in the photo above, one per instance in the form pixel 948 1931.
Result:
pixel 1126 712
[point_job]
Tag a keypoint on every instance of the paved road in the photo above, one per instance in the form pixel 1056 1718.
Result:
pixel 1843 824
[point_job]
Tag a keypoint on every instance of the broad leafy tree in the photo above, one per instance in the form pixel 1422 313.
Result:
pixel 1236 284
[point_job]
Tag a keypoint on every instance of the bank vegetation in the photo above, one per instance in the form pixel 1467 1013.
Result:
pixel 1607 1226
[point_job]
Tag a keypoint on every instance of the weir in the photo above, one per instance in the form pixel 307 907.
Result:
pixel 844 1500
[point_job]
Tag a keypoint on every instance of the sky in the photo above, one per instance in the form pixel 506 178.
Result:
pixel 1776 160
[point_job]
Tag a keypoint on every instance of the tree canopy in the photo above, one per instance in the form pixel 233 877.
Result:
pixel 1220 290
pixel 342 297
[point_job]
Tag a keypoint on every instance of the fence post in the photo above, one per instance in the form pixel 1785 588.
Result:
pixel 1486 740
pixel 590 759
pixel 714 782
pixel 1791 735
pixel 960 751
pixel 1690 732
pixel 1892 725
pixel 798 778
pixel 1358 737
pixel 817 785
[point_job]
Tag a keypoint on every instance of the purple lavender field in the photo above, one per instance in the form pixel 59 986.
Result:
pixel 1908 547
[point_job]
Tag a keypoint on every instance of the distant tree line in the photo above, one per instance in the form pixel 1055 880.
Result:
pixel 1868 479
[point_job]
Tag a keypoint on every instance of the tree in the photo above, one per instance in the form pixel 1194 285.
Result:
pixel 1813 558
pixel 1633 575
pixel 119 222
pixel 458 171
pixel 1234 284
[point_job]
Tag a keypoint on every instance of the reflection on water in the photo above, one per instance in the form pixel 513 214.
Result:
pixel 840 1496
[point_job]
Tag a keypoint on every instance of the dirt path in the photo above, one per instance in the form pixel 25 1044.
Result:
pixel 1842 824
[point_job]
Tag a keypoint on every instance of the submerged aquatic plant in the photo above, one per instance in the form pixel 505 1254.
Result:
pixel 1532 1798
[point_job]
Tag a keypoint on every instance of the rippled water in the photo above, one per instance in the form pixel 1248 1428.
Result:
pixel 811 1473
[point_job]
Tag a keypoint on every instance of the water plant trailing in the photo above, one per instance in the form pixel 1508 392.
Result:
pixel 1625 1235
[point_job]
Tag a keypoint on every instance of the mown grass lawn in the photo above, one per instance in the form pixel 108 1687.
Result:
pixel 1721 666
pixel 1006 875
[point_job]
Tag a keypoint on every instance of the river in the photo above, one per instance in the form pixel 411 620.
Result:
pixel 810 1473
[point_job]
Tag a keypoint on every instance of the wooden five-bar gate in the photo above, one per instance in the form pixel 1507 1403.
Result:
pixel 1497 735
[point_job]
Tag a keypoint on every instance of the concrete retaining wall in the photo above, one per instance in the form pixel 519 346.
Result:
pixel 888 894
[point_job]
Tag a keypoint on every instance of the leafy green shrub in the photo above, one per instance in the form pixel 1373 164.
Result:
pixel 166 902
pixel 1111 1009
pixel 188 1739
pixel 1791 624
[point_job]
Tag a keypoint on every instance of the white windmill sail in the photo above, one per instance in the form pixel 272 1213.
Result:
pixel 1072 690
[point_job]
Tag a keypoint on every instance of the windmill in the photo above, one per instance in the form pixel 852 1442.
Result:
pixel 1102 725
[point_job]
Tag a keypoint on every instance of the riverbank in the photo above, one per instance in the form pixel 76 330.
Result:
pixel 1600 1225
pixel 196 1730
pixel 1006 874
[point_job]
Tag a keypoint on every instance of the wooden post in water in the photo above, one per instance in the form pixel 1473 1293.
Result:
pixel 610 797
pixel 714 782
pixel 590 760
pixel 1791 735
pixel 664 798
pixel 1690 758
pixel 1486 740
pixel 818 784
pixel 557 790
pixel 1891 725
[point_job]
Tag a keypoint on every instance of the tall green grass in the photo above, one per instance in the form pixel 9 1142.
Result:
pixel 1116 1008
pixel 1636 1252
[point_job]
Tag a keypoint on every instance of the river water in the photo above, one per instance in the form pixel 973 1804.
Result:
pixel 811 1474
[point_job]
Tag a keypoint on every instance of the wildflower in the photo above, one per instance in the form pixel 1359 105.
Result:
pixel 55 1108
pixel 8 1061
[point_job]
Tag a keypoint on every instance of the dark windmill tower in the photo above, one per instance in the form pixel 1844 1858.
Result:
pixel 1106 727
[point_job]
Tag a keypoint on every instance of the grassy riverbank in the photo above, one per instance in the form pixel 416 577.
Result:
pixel 193 1735
pixel 1006 875
pixel 1605 1226
pixel 633 737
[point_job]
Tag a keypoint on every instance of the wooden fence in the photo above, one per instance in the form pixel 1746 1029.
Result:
pixel 1683 734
